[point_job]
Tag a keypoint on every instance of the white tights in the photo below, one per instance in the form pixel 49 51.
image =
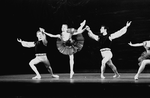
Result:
pixel 37 60
pixel 71 57
pixel 107 55
pixel 141 68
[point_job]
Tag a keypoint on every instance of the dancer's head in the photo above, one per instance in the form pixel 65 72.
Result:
pixel 71 30
pixel 41 37
pixel 64 28
pixel 103 30
pixel 147 45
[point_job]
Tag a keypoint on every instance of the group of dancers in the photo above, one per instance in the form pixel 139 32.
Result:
pixel 71 41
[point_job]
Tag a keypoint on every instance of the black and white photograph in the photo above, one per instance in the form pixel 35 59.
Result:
pixel 75 49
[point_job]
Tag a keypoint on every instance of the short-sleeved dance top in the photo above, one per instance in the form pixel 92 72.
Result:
pixel 40 47
pixel 71 46
pixel 104 41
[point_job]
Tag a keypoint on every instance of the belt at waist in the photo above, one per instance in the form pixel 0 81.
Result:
pixel 105 49
pixel 41 54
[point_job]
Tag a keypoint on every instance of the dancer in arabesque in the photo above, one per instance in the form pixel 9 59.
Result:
pixel 68 45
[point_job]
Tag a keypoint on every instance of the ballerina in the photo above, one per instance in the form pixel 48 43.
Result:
pixel 105 40
pixel 144 59
pixel 68 45
pixel 40 53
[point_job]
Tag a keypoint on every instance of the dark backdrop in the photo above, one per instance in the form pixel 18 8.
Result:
pixel 22 18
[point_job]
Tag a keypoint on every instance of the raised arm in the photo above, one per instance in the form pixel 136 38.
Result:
pixel 26 44
pixel 137 44
pixel 48 34
pixel 80 29
pixel 91 34
pixel 120 32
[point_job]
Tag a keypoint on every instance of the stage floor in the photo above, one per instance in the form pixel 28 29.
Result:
pixel 77 78
pixel 82 85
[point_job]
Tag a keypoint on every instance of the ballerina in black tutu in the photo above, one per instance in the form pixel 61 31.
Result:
pixel 68 44
pixel 144 59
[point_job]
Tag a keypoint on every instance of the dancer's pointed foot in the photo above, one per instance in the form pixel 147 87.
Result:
pixel 55 76
pixel 71 74
pixel 37 77
pixel 102 76
pixel 116 76
pixel 136 77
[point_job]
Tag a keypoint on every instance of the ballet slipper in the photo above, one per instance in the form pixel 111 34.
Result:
pixel 55 76
pixel 136 77
pixel 37 77
pixel 116 76
pixel 71 74
pixel 102 76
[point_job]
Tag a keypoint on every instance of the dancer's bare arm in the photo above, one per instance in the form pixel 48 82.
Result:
pixel 92 35
pixel 26 44
pixel 120 32
pixel 136 45
pixel 49 34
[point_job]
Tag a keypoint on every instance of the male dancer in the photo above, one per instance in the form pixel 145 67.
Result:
pixel 40 49
pixel 105 40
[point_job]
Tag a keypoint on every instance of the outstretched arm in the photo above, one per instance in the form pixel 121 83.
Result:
pixel 80 29
pixel 91 34
pixel 51 35
pixel 26 44
pixel 136 45
pixel 48 34
pixel 120 32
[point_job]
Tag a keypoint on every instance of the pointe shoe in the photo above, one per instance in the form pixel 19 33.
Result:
pixel 55 76
pixel 136 77
pixel 71 74
pixel 102 77
pixel 37 77
pixel 116 76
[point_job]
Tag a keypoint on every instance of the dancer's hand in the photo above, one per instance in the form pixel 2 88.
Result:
pixel 72 30
pixel 42 30
pixel 87 28
pixel 130 44
pixel 128 23
pixel 19 40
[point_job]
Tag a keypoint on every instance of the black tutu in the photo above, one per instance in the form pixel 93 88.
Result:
pixel 70 46
pixel 143 56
